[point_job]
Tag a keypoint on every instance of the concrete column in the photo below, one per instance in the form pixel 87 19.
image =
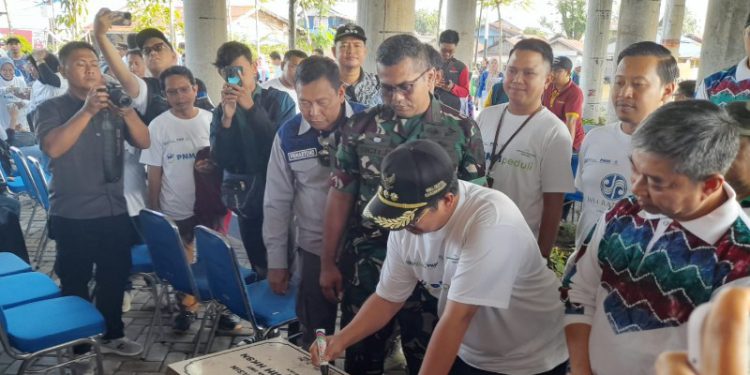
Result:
pixel 639 20
pixel 463 18
pixel 672 26
pixel 723 44
pixel 205 31
pixel 598 17
pixel 382 19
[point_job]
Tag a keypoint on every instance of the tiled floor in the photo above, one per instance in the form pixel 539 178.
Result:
pixel 168 349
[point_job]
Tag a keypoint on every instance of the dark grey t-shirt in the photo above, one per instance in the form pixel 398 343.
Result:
pixel 78 189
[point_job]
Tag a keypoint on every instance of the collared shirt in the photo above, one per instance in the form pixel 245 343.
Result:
pixel 78 189
pixel 639 277
pixel 365 91
pixel 565 102
pixel 368 137
pixel 726 86
pixel 297 186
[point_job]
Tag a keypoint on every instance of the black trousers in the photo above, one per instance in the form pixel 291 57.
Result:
pixel 251 231
pixel 462 368
pixel 313 309
pixel 104 242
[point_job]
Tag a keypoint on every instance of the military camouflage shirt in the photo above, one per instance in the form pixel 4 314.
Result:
pixel 368 136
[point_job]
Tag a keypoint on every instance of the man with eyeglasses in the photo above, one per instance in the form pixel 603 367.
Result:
pixel 298 172
pixel 470 247
pixel 410 113
pixel 350 50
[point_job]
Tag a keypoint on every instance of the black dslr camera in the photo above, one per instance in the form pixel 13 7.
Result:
pixel 118 96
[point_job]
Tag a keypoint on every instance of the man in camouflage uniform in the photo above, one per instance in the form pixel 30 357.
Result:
pixel 410 113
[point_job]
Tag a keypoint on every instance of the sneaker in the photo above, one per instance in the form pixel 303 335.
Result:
pixel 122 346
pixel 182 321
pixel 229 322
pixel 127 299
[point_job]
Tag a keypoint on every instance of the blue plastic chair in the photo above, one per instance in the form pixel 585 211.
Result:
pixel 39 177
pixel 24 172
pixel 32 330
pixel 171 265
pixel 11 264
pixel 22 288
pixel 577 196
pixel 255 302
pixel 15 185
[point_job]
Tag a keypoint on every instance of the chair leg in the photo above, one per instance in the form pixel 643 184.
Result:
pixel 218 310
pixel 24 366
pixel 41 249
pixel 156 316
pixel 197 341
pixel 31 218
pixel 98 358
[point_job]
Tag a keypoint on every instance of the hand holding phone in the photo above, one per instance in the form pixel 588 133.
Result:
pixel 233 74
pixel 121 18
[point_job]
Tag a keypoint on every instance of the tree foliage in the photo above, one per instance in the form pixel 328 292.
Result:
pixel 72 17
pixel 426 21
pixel 154 13
pixel 690 24
pixel 572 17
pixel 535 31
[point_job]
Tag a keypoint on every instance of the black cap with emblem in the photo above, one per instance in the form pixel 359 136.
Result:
pixel 350 29
pixel 413 176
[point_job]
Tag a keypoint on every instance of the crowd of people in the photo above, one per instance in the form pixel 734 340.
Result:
pixel 379 195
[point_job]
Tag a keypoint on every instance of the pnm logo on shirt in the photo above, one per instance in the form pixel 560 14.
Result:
pixel 302 154
pixel 614 186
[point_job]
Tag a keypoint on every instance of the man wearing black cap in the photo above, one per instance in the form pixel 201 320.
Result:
pixel 732 84
pixel 19 60
pixel 350 51
pixel 471 249
pixel 565 99
pixel 158 54
pixel 410 113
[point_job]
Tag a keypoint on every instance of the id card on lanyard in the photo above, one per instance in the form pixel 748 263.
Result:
pixel 497 155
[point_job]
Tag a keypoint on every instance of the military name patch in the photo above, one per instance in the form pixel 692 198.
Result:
pixel 302 154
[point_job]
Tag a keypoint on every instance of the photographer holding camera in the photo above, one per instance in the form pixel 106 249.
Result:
pixel 82 132
pixel 242 132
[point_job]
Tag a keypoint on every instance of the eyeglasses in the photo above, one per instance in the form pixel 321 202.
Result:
pixel 158 47
pixel 420 215
pixel 405 88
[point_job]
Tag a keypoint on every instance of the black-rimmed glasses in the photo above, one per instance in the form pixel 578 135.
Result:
pixel 405 88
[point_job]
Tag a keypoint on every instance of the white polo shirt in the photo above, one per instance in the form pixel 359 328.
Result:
pixel 486 256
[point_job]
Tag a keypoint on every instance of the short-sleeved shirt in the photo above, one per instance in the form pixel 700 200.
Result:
pixel 174 144
pixel 369 136
pixel 78 189
pixel 567 101
pixel 536 161
pixel 485 255
pixel 726 86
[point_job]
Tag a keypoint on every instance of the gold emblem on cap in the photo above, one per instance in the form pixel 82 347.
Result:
pixel 391 223
pixel 434 189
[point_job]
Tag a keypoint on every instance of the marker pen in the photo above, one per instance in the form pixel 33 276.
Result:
pixel 320 341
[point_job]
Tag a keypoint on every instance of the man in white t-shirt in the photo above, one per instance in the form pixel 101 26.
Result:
pixel 176 137
pixel 471 248
pixel 644 80
pixel 527 148
pixel 285 82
